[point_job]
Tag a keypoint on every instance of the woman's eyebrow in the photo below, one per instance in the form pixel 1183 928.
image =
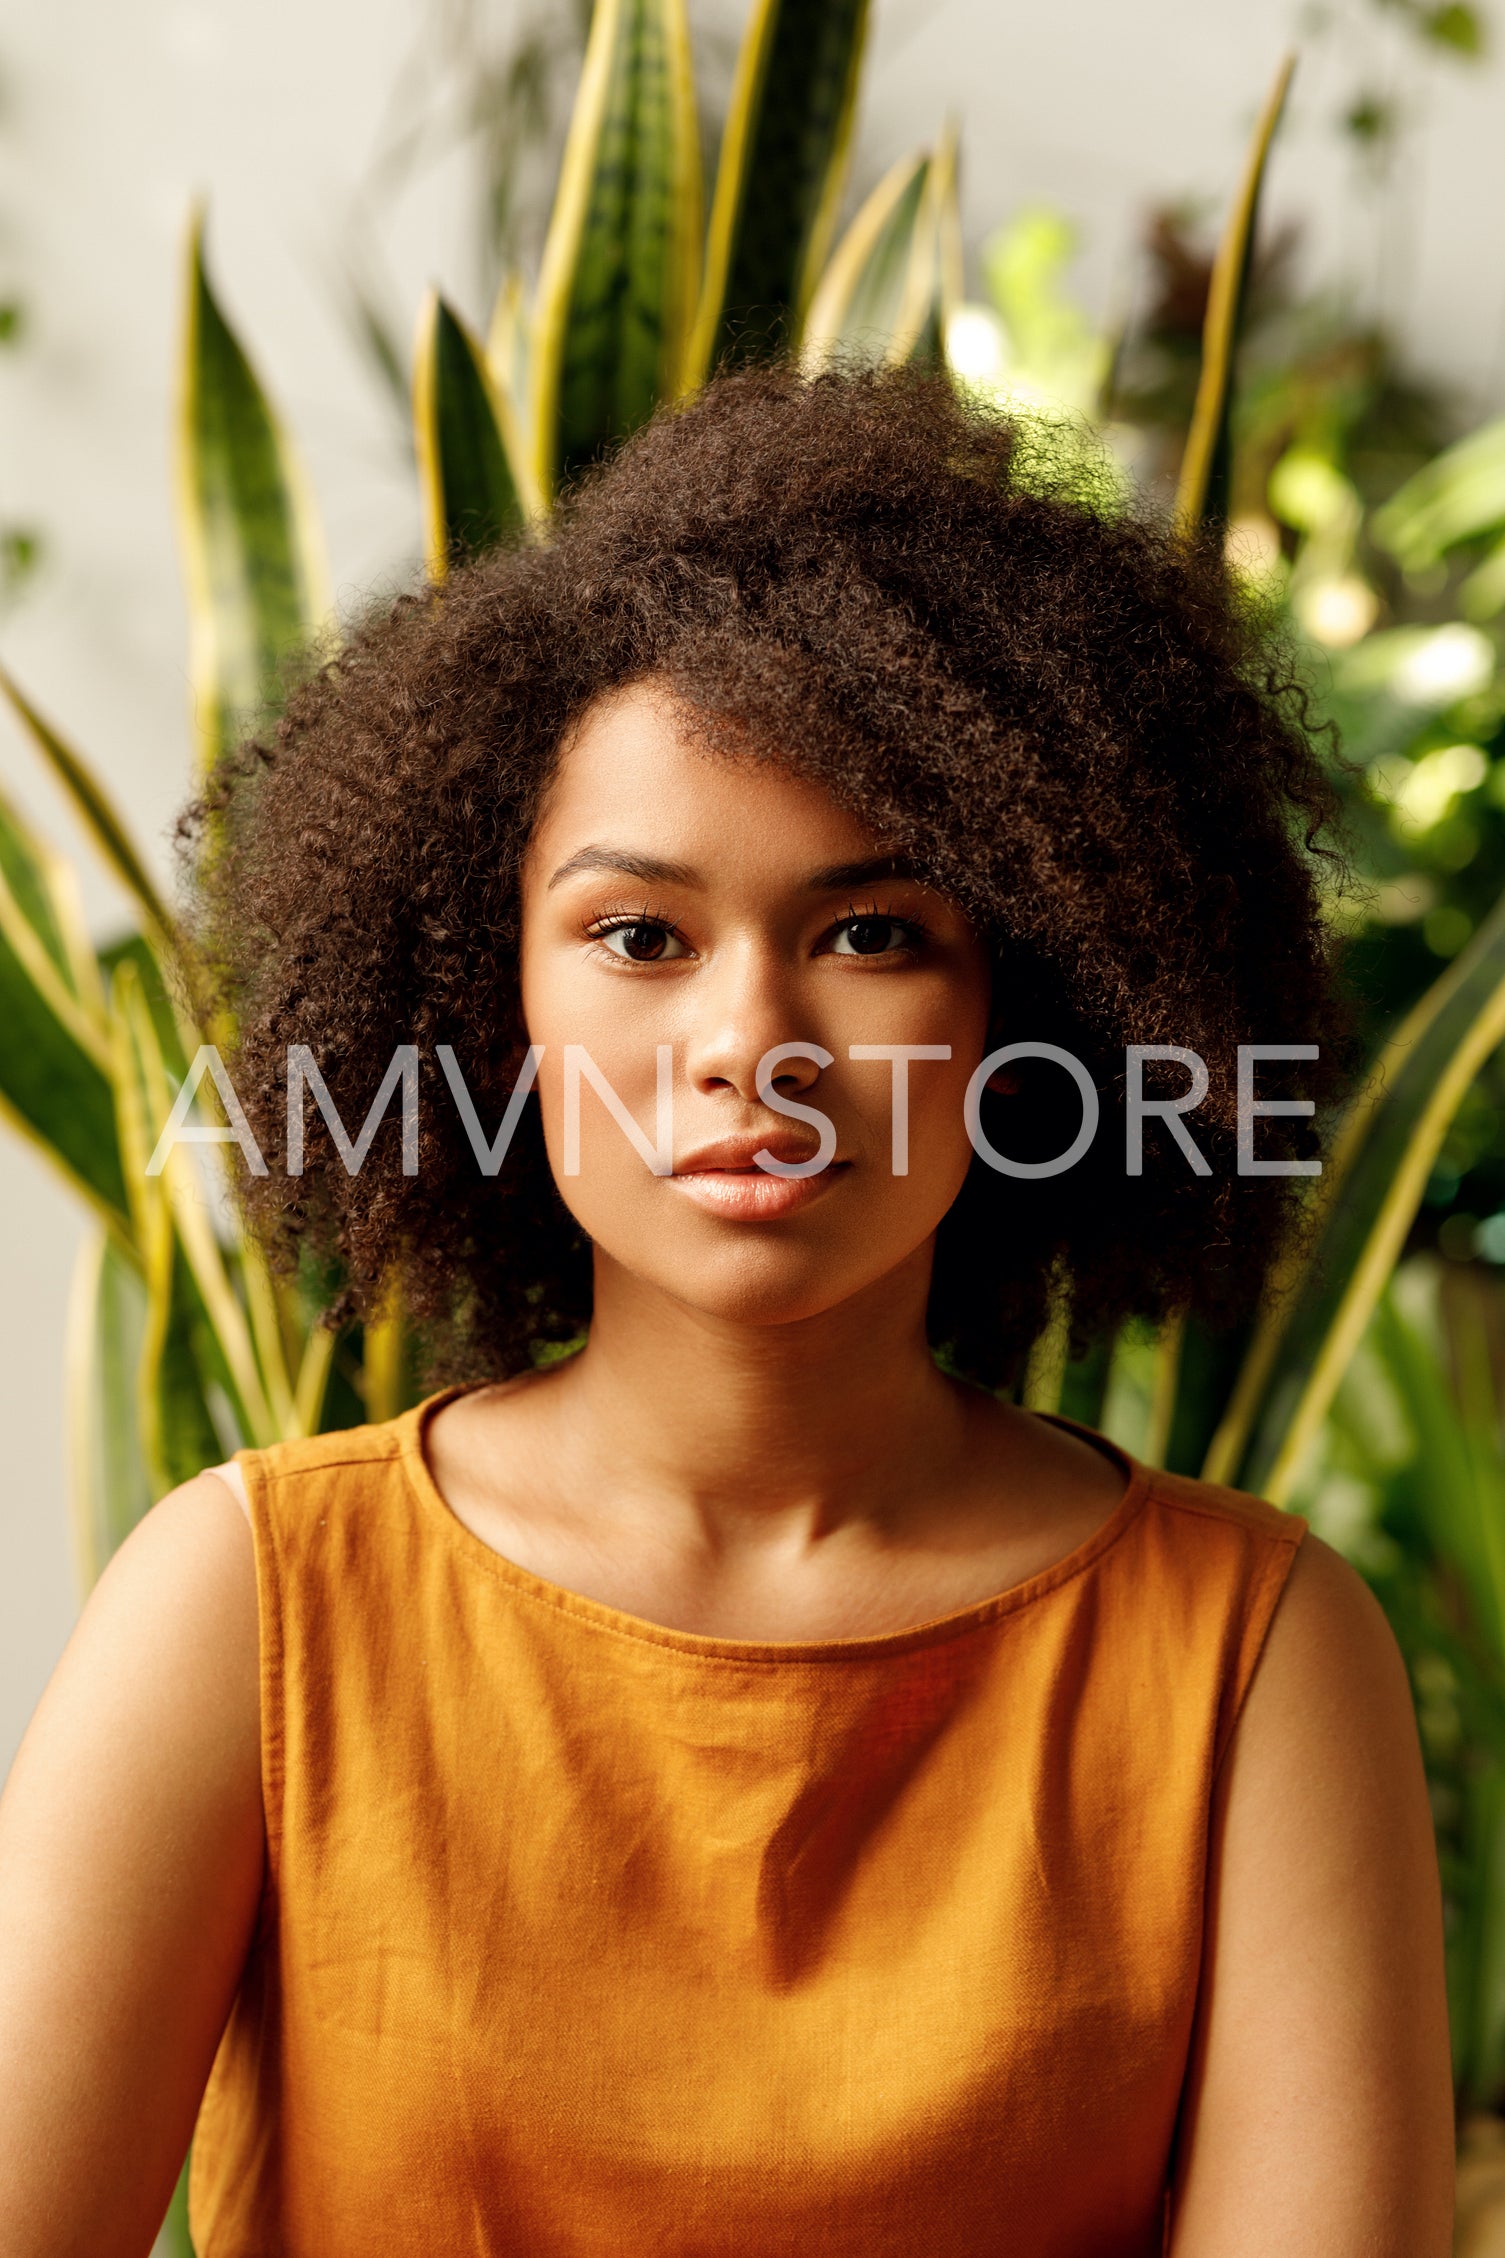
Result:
pixel 841 877
pixel 650 868
pixel 835 878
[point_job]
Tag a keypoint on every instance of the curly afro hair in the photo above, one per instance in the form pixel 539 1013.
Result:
pixel 1065 716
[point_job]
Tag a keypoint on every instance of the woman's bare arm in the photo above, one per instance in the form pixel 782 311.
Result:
pixel 1319 2101
pixel 131 1860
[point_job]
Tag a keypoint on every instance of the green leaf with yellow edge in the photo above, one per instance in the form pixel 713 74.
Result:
pixel 1202 491
pixel 468 455
pixel 42 916
pixel 315 1372
pixel 92 805
pixel 172 1201
pixel 78 1011
pixel 1045 1368
pixel 945 251
pixel 179 1434
pixel 1322 1298
pixel 251 552
pixel 873 297
pixel 389 1356
pixel 784 152
pixel 133 948
pixel 28 881
pixel 240 1349
pixel 110 1485
pixel 891 284
pixel 621 265
pixel 176 1427
pixel 509 349
pixel 54 1065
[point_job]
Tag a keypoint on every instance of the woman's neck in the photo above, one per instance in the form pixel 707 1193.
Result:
pixel 740 1425
pixel 810 1480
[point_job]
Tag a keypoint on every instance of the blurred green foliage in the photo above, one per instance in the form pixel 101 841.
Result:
pixel 1411 1483
pixel 1368 526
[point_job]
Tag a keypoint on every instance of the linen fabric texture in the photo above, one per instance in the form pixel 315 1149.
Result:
pixel 586 1938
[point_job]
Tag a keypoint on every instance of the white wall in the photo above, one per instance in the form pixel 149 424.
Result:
pixel 115 116
pixel 1106 107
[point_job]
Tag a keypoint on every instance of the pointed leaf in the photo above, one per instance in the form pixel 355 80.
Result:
pixel 77 1014
pixel 179 1434
pixel 466 450
pixel 176 1428
pixel 893 281
pixel 509 344
pixel 41 915
pixel 620 273
pixel 1084 1385
pixel 109 1483
pixel 1207 1372
pixel 1045 1369
pixel 54 1071
pixel 940 277
pixel 1130 1389
pixel 135 949
pixel 864 303
pixel 1370 1192
pixel 784 152
pixel 42 923
pixel 92 806
pixel 208 1326
pixel 256 582
pixel 389 1363
pixel 1166 1372
pixel 1203 488
pixel 23 869
pixel 314 1375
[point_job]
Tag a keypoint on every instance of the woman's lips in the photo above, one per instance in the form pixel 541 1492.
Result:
pixel 751 1195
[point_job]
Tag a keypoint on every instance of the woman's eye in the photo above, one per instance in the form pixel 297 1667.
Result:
pixel 871 936
pixel 641 942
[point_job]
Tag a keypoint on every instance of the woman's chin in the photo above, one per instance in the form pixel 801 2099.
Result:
pixel 753 1286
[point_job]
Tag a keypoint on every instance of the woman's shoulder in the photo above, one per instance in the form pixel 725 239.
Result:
pixel 1188 1495
pixel 1304 1631
pixel 1221 1552
pixel 1185 1539
pixel 300 1464
pixel 1329 1622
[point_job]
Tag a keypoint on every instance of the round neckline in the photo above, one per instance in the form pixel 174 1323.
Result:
pixel 936 1630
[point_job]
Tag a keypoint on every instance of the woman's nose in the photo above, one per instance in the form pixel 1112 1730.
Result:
pixel 745 1008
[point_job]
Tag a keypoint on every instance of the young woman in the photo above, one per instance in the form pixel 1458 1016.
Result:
pixel 744 1785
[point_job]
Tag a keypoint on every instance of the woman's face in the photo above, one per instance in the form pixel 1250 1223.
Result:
pixel 725 908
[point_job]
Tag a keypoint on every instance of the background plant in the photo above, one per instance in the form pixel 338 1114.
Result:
pixel 184 1346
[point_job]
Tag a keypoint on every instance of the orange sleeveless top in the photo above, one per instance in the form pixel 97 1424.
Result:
pixel 584 1938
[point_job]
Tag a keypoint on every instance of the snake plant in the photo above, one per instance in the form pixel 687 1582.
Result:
pixel 182 1344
